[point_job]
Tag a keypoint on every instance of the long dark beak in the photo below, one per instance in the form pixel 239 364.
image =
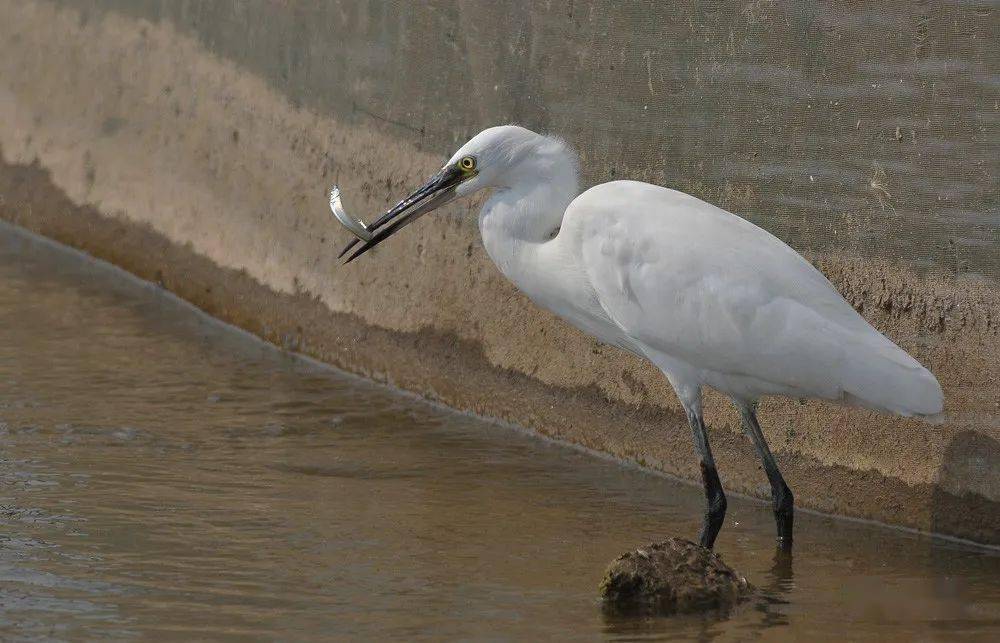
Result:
pixel 430 196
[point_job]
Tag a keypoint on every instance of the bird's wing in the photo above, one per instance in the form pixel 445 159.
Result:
pixel 711 289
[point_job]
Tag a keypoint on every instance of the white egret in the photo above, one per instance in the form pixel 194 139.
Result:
pixel 706 296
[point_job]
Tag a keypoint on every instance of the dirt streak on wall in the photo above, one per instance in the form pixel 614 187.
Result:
pixel 133 141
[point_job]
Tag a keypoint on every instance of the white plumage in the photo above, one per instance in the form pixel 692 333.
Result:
pixel 713 299
pixel 706 296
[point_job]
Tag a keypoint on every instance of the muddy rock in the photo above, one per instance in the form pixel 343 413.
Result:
pixel 673 576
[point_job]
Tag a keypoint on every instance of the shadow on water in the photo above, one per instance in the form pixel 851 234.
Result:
pixel 972 462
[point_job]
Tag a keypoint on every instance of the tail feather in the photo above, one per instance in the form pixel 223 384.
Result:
pixel 881 376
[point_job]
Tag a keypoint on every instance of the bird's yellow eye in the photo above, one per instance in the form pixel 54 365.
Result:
pixel 467 163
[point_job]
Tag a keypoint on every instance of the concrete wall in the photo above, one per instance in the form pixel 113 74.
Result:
pixel 192 143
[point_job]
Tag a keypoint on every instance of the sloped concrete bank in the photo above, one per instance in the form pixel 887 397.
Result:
pixel 139 144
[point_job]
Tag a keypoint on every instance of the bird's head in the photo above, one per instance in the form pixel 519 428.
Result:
pixel 495 157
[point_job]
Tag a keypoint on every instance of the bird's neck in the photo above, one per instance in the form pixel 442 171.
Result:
pixel 525 213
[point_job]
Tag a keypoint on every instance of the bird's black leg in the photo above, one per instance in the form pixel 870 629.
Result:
pixel 781 495
pixel 716 511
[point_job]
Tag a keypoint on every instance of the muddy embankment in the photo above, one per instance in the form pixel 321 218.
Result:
pixel 140 143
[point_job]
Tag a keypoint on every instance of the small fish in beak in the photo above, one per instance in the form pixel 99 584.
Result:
pixel 440 189
pixel 357 227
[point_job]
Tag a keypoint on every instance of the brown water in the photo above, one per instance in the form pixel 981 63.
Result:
pixel 164 476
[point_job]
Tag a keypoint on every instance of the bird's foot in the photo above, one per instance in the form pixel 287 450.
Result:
pixel 784 518
pixel 714 518
pixel 785 521
pixel 715 513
